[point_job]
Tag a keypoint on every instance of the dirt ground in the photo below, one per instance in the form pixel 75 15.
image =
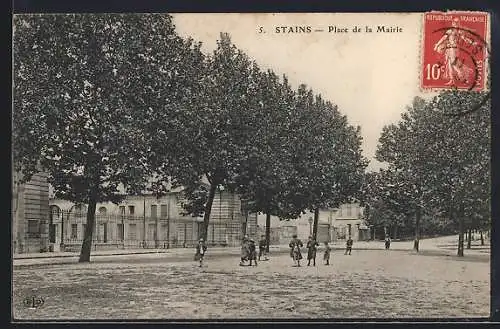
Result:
pixel 367 284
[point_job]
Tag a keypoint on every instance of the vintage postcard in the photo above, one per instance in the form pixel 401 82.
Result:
pixel 272 166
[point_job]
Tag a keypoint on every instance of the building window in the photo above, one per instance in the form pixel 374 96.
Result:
pixel 122 210
pixel 55 213
pixel 103 233
pixel 52 233
pixel 349 210
pixel 74 231
pixel 33 228
pixel 121 232
pixel 164 211
pixel 132 231
pixel 154 211
pixel 102 211
pixel 131 210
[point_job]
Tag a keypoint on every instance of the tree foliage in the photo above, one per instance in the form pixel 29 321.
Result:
pixel 113 104
pixel 84 89
pixel 440 164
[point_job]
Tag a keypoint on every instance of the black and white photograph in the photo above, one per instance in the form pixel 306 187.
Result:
pixel 250 166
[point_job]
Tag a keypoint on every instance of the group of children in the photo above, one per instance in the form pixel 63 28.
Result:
pixel 249 250
pixel 312 247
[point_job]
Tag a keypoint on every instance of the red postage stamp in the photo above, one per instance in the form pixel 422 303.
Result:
pixel 454 50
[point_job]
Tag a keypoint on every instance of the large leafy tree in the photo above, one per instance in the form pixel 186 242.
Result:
pixel 266 172
pixel 213 129
pixel 84 89
pixel 327 156
pixel 442 160
pixel 406 148
pixel 461 158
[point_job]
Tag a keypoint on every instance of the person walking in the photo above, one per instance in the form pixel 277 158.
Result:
pixel 348 246
pixel 311 251
pixel 201 249
pixel 326 256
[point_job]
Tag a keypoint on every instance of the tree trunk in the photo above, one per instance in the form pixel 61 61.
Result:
pixel 460 251
pixel 208 210
pixel 315 223
pixel 394 237
pixel 89 229
pixel 268 230
pixel 469 239
pixel 482 238
pixel 245 225
pixel 416 242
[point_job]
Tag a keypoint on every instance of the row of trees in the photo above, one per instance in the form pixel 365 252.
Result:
pixel 438 166
pixel 111 105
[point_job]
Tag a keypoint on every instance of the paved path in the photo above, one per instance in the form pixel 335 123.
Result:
pixel 444 245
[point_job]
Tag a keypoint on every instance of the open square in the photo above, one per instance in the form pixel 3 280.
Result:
pixel 367 284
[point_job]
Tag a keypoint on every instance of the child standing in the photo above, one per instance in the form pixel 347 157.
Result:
pixel 263 247
pixel 252 252
pixel 348 246
pixel 295 245
pixel 311 251
pixel 245 253
pixel 387 242
pixel 326 256
pixel 201 249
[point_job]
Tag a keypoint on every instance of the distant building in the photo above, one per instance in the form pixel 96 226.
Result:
pixel 333 224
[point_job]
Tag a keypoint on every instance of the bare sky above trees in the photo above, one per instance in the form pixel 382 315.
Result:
pixel 372 77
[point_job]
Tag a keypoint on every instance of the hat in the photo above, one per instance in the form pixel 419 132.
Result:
pixel 201 239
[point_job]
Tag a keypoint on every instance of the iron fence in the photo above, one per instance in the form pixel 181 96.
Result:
pixel 129 232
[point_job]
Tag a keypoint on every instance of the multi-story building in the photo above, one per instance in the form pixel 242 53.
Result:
pixel 150 222
pixel 333 224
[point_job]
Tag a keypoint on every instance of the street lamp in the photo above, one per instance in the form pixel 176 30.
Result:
pixel 220 187
pixel 310 220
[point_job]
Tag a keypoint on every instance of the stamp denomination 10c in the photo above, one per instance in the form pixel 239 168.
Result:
pixel 454 50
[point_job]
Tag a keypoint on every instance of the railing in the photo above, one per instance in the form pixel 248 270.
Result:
pixel 134 232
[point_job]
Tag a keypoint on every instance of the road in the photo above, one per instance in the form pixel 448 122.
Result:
pixel 367 284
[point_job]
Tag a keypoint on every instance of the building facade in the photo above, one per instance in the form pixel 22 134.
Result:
pixel 150 222
pixel 30 214
pixel 333 225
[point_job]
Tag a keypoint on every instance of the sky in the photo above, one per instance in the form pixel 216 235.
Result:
pixel 371 76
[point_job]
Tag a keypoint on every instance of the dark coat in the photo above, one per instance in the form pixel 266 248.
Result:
pixel 311 249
